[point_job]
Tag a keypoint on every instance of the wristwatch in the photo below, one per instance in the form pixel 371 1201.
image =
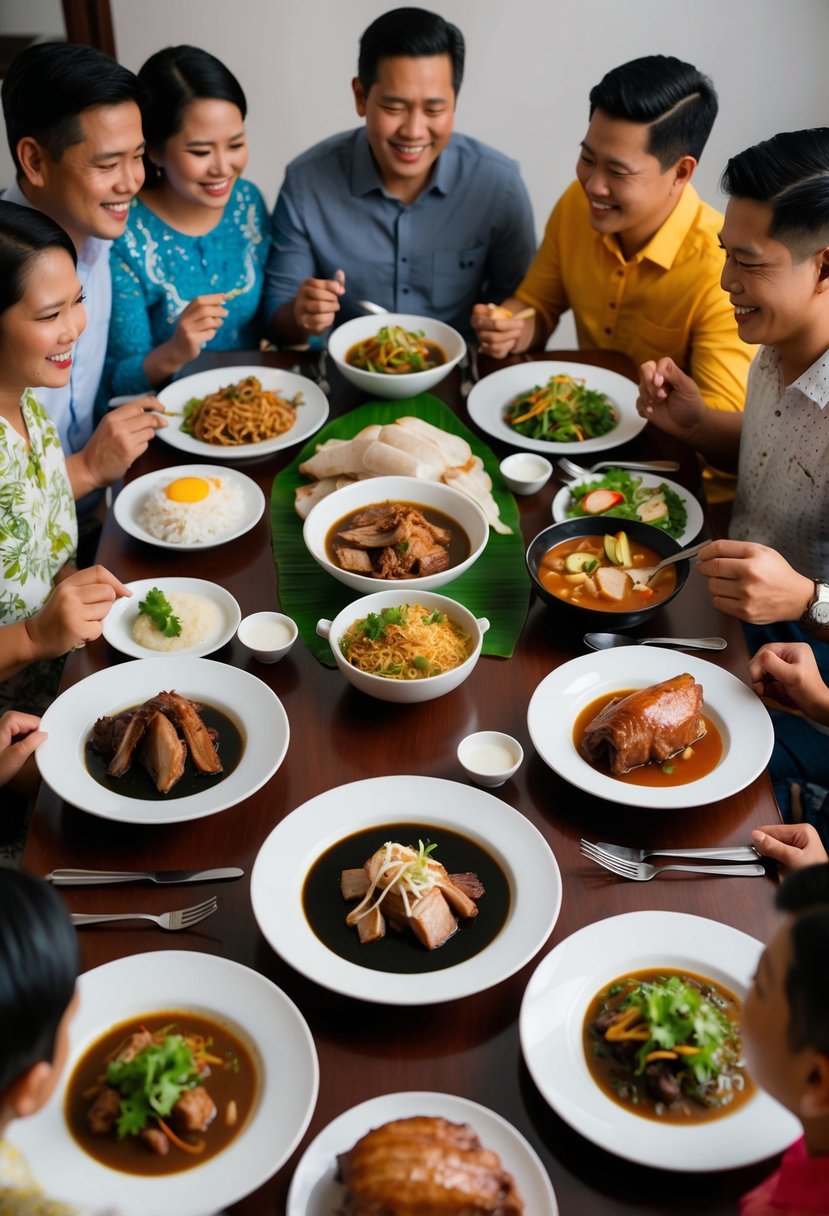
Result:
pixel 816 615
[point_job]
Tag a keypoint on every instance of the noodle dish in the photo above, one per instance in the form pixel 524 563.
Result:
pixel 240 413
pixel 396 356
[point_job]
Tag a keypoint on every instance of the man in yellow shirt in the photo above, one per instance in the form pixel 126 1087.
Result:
pixel 630 246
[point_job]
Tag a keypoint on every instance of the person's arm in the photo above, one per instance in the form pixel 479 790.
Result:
pixel 719 359
pixel 753 582
pixel 297 301
pixel 117 441
pixel 20 734
pixel 130 336
pixel 673 402
pixel 791 845
pixel 788 672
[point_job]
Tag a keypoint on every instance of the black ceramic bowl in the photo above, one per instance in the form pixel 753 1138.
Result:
pixel 576 616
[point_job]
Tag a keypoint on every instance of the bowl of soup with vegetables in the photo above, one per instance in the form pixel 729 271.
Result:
pixel 597 571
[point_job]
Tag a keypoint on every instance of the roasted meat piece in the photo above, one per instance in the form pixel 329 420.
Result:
pixel 425 1167
pixel 395 540
pixel 649 725
pixel 194 1111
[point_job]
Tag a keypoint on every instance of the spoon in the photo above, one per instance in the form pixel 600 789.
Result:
pixel 647 573
pixel 609 641
pixel 368 306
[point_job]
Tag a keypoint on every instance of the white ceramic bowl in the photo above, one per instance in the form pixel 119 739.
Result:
pixel 395 387
pixel 526 472
pixel 267 635
pixel 334 507
pixel 489 757
pixel 404 691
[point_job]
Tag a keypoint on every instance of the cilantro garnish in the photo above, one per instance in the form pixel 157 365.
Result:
pixel 152 1082
pixel 158 608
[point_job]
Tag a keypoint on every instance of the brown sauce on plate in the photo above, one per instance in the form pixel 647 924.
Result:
pixel 707 751
pixel 401 953
pixel 236 1081
pixel 458 547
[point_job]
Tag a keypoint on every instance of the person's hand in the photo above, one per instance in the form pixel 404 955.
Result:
pixel 196 326
pixel 670 399
pixel 118 440
pixel 74 612
pixel 788 672
pixel 19 736
pixel 792 845
pixel 753 583
pixel 317 303
pixel 498 335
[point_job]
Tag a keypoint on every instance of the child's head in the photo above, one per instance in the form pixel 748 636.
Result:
pixel 38 969
pixel 776 239
pixel 785 1024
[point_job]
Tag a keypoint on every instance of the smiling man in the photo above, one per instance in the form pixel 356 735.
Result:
pixel 402 211
pixel 630 247
pixel 74 131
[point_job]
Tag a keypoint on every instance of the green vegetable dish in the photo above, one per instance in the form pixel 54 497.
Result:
pixel 666 1045
pixel 624 496
pixel 563 410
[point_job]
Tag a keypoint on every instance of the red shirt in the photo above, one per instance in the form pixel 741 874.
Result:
pixel 799 1188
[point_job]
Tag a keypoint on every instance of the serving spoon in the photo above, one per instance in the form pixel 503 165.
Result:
pixel 609 641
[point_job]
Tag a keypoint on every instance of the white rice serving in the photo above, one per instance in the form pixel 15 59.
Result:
pixel 192 523
pixel 199 618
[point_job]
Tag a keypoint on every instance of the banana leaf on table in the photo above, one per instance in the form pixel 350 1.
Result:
pixel 496 586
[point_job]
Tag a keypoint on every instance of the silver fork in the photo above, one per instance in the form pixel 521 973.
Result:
pixel 640 871
pixel 571 469
pixel 601 849
pixel 184 918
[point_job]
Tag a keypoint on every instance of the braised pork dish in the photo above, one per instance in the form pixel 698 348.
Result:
pixel 168 742
pixel 665 1044
pixel 425 1165
pixel 655 735
pixel 396 540
pixel 161 1093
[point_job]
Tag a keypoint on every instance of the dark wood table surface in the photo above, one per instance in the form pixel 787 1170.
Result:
pixel 468 1047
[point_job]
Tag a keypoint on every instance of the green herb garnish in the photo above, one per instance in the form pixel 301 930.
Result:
pixel 152 1082
pixel 158 608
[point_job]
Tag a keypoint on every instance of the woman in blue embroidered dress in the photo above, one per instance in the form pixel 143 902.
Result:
pixel 188 270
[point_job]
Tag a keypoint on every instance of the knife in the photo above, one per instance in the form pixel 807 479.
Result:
pixel 88 878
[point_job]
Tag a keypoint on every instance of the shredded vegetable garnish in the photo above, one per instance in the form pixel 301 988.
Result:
pixel 564 410
pixel 411 872
pixel 395 351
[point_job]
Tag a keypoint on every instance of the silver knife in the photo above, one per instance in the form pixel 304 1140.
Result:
pixel 88 878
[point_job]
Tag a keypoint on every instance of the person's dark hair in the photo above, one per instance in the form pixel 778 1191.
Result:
pixel 411 32
pixel 24 234
pixel 172 79
pixel 49 85
pixel 38 968
pixel 677 102
pixel 805 895
pixel 790 174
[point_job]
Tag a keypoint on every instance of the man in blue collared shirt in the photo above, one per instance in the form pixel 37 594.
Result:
pixel 400 211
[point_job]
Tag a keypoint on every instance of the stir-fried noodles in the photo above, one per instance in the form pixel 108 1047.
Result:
pixel 406 643
pixel 239 413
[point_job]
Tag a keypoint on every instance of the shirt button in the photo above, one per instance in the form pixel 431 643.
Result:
pixel 612 305
pixel 404 259
pixel 608 330
pixel 405 291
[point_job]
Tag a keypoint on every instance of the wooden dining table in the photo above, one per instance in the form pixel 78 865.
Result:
pixel 468 1047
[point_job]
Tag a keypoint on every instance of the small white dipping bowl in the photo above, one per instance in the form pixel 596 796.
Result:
pixel 409 384
pixel 489 757
pixel 525 472
pixel 407 692
pixel 267 635
pixel 334 507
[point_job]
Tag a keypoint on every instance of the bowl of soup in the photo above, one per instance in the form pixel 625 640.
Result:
pixel 395 355
pixel 405 648
pixel 395 532
pixel 590 571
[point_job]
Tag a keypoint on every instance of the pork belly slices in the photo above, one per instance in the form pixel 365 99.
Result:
pixel 184 715
pixel 163 753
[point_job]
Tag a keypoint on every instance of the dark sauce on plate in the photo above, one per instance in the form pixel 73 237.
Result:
pixel 401 953
pixel 136 781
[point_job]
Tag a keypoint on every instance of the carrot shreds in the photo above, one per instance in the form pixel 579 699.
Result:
pixel 194 1149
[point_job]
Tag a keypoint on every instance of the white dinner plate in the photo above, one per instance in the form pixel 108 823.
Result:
pixel 552 1017
pixel 738 714
pixel 128 503
pixel 255 710
pixel 310 415
pixel 263 1016
pixel 295 844
pixel 122 615
pixel 693 525
pixel 316 1192
pixel 491 396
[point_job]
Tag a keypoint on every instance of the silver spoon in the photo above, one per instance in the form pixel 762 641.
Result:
pixel 368 306
pixel 646 574
pixel 609 641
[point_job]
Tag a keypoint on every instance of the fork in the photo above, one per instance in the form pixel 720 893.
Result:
pixel 600 850
pixel 184 918
pixel 640 871
pixel 570 469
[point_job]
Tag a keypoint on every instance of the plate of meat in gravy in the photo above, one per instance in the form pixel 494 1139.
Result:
pixel 238 1125
pixel 668 732
pixel 150 742
pixel 404 890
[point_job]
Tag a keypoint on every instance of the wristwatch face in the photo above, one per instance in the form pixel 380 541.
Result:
pixel 818 611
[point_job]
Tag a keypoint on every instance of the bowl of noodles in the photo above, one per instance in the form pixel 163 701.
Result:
pixel 405 649
pixel 396 355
